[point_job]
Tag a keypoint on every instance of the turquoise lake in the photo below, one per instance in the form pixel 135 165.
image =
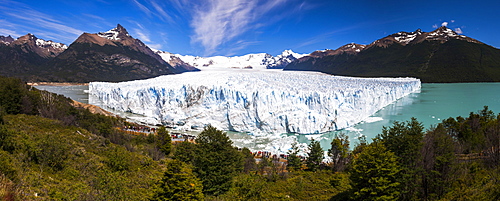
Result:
pixel 434 103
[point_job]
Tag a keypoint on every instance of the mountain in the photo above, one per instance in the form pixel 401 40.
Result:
pixel 22 56
pixel 108 56
pixel 249 61
pixel 438 56
pixel 105 56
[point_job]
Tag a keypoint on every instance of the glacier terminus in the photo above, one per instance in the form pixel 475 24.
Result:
pixel 254 101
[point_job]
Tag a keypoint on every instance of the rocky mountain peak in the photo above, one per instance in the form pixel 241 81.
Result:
pixel 30 43
pixel 6 40
pixel 118 33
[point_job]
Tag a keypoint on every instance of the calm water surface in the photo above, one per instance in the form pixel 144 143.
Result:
pixel 434 103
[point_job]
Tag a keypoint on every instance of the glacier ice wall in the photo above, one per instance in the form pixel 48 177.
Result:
pixel 266 101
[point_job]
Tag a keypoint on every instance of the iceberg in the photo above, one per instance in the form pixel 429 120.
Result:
pixel 255 101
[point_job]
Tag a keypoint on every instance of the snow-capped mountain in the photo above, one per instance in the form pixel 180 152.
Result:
pixel 6 40
pixel 113 55
pixel 249 61
pixel 441 34
pixel 30 43
pixel 441 55
pixel 24 56
pixel 117 33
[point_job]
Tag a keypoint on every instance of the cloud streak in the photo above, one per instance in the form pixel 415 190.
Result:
pixel 32 18
pixel 220 21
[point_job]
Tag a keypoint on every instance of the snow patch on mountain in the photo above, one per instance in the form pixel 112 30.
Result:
pixel 259 101
pixel 407 37
pixel 46 44
pixel 114 34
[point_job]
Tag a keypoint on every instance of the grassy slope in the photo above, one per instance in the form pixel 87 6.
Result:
pixel 55 161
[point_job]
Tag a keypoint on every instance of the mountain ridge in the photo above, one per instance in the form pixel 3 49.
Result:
pixel 105 56
pixel 441 55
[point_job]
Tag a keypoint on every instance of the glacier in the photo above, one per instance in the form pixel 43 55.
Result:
pixel 255 101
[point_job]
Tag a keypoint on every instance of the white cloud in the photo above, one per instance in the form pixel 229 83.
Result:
pixel 142 35
pixel 143 8
pixel 452 21
pixel 154 46
pixel 220 21
pixel 444 24
pixel 162 12
pixel 435 26
pixel 7 32
pixel 28 18
pixel 459 31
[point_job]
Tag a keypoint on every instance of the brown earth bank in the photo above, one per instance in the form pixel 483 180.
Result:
pixel 92 108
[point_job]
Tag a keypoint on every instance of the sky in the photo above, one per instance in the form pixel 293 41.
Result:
pixel 239 27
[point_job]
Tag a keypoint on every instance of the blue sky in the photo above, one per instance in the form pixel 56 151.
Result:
pixel 238 27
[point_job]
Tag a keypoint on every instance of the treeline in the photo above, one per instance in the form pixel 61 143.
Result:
pixel 457 159
pixel 76 155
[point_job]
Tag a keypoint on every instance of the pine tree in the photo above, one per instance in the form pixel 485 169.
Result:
pixel 438 163
pixel 315 156
pixel 405 139
pixel 294 161
pixel 178 183
pixel 216 161
pixel 164 142
pixel 374 174
pixel 339 152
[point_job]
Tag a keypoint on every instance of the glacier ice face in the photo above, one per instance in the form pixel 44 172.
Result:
pixel 256 101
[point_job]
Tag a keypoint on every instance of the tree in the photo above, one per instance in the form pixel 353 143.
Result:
pixel 314 156
pixel 178 183
pixel 294 161
pixel 164 142
pixel 374 174
pixel 339 152
pixel 405 140
pixel 249 159
pixel 438 161
pixel 185 152
pixel 216 161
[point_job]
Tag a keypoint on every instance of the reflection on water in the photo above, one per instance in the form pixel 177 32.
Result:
pixel 434 103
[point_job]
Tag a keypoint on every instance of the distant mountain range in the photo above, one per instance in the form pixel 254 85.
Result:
pixel 438 56
pixel 249 61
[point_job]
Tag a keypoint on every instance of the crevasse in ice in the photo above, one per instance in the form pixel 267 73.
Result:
pixel 256 101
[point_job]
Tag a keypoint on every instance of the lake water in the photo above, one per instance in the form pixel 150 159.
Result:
pixel 434 103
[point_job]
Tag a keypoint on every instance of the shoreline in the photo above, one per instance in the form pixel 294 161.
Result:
pixel 56 84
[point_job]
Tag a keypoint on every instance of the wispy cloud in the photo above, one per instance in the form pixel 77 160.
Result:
pixel 220 21
pixel 143 36
pixel 32 18
pixel 162 12
pixel 459 31
pixel 7 32
pixel 444 24
pixel 142 8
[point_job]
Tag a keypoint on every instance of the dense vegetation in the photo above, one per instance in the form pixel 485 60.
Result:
pixel 430 61
pixel 50 150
